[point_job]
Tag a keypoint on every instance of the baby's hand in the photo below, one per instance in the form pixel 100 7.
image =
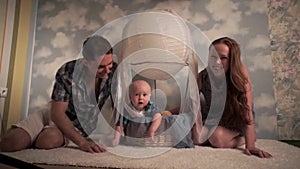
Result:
pixel 166 113
pixel 151 136
pixel 115 142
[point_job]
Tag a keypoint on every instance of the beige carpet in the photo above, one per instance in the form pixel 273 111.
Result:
pixel 284 156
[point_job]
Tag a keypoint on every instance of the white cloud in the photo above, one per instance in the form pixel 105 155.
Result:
pixel 47 70
pixel 44 52
pixel 266 123
pixel 49 6
pixel 199 18
pixel 113 31
pixel 63 0
pixel 259 41
pixel 140 1
pixel 228 19
pixel 182 8
pixel 260 61
pixel 60 40
pixel 72 18
pixel 257 6
pixel 52 23
pixel 221 10
pixel 71 53
pixel 38 102
pixel 111 12
pixel 92 25
pixel 264 101
pixel 227 28
pixel 50 88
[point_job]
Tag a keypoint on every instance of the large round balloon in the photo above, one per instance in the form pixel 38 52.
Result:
pixel 161 43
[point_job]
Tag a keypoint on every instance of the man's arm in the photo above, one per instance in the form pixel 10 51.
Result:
pixel 62 121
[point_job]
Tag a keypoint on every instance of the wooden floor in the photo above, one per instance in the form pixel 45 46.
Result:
pixel 64 167
pixel 3 166
pixel 7 162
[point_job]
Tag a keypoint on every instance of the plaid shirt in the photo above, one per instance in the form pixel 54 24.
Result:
pixel 83 108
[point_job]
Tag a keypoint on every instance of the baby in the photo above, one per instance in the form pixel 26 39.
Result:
pixel 141 106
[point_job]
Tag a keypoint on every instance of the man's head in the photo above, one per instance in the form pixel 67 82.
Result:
pixel 139 93
pixel 97 53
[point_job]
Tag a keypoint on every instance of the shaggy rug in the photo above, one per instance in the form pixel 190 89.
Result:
pixel 284 156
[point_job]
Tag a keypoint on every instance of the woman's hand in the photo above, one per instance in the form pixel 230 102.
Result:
pixel 258 152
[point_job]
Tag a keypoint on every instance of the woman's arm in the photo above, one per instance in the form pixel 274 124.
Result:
pixel 250 134
pixel 250 128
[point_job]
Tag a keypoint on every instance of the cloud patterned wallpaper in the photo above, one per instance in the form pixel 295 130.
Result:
pixel 62 25
pixel 285 46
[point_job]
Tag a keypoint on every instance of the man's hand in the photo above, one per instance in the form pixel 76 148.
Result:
pixel 91 147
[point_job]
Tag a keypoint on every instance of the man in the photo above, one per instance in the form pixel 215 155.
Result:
pixel 80 91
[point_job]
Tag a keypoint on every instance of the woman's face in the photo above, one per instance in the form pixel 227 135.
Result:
pixel 219 60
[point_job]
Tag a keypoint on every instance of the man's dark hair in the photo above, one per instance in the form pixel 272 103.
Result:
pixel 95 46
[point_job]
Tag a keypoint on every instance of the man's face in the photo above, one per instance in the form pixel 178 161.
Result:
pixel 102 67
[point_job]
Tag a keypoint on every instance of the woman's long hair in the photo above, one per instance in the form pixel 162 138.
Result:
pixel 236 108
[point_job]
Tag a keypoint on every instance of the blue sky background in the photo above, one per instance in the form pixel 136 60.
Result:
pixel 62 25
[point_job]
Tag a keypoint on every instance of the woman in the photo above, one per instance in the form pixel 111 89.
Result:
pixel 227 76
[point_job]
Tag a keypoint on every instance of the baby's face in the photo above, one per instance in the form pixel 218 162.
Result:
pixel 140 93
